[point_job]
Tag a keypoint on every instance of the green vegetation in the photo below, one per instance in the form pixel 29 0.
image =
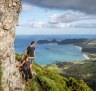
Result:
pixel 18 56
pixel 0 78
pixel 85 70
pixel 49 80
pixel 92 42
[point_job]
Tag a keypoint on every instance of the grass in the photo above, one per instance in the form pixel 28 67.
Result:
pixel 85 70
pixel 50 80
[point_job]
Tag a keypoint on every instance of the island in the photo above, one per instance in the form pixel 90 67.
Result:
pixel 86 44
pixel 47 41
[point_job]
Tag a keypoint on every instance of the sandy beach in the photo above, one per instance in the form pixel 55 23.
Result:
pixel 86 57
pixel 79 47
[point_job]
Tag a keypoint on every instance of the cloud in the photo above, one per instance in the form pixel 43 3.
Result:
pixel 36 24
pixel 70 25
pixel 87 6
pixel 85 25
pixel 71 19
pixel 69 16
pixel 39 24
pixel 26 7
pixel 59 25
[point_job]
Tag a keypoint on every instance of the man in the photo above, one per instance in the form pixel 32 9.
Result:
pixel 31 52
pixel 26 68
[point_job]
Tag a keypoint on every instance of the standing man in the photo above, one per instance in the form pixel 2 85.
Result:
pixel 31 52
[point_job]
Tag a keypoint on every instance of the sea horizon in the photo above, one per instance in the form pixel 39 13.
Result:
pixel 59 53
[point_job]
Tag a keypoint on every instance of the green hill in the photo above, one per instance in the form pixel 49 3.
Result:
pixel 85 70
pixel 49 80
pixel 92 42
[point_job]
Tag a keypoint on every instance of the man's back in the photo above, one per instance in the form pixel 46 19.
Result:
pixel 30 51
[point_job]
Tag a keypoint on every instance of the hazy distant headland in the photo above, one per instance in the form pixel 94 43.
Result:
pixel 74 41
pixel 87 45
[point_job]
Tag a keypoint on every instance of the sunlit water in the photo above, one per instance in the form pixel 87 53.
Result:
pixel 52 52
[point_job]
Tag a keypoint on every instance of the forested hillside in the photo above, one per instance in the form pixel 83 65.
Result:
pixel 85 70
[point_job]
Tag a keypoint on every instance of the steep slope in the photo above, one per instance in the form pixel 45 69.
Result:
pixel 49 80
pixel 85 70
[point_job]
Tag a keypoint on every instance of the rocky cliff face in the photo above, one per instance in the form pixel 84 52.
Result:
pixel 9 12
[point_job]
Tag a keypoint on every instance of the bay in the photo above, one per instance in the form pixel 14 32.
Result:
pixel 52 52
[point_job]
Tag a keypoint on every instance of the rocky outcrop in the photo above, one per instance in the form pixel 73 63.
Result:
pixel 47 41
pixel 9 12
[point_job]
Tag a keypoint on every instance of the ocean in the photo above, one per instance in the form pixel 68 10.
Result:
pixel 52 52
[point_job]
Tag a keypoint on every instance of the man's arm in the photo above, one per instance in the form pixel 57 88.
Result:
pixel 19 65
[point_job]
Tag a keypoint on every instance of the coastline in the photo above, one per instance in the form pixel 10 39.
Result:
pixel 86 57
pixel 79 47
pixel 84 54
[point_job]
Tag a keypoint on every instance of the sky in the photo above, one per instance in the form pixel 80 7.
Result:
pixel 57 17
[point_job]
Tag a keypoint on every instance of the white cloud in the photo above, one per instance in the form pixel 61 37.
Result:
pixel 85 25
pixel 38 24
pixel 69 16
pixel 26 7
pixel 67 19
pixel 58 25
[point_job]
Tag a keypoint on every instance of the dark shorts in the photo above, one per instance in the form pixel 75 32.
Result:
pixel 27 74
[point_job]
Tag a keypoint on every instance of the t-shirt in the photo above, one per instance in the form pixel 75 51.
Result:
pixel 30 51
